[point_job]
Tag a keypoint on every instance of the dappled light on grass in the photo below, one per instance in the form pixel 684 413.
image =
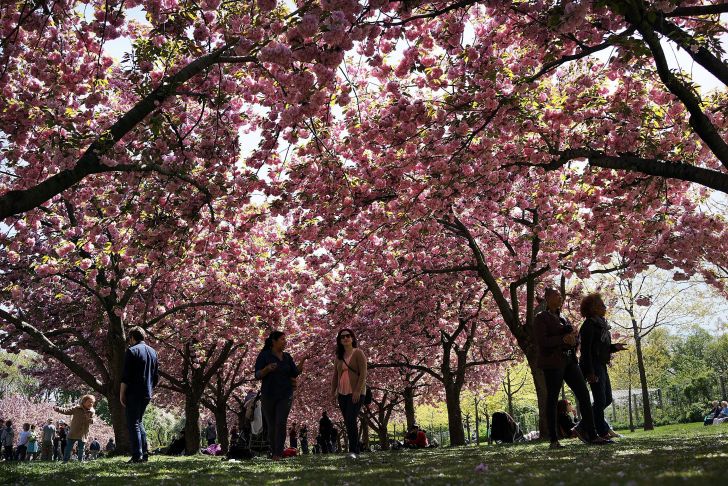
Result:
pixel 669 455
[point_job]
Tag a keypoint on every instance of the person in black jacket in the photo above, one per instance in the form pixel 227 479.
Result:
pixel 596 351
pixel 278 372
pixel 139 378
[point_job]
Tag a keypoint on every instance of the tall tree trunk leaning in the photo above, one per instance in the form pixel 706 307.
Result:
pixel 518 316
pixel 646 406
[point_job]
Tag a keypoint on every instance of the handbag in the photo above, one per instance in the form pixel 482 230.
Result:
pixel 367 390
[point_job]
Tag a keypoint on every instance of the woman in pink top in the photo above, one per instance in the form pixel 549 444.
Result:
pixel 348 384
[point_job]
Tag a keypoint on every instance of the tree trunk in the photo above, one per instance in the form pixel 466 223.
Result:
pixel 221 426
pixel 116 342
pixel 477 422
pixel 192 424
pixel 539 383
pixel 383 438
pixel 454 416
pixel 118 422
pixel 646 407
pixel 409 406
pixel 364 431
pixel 629 405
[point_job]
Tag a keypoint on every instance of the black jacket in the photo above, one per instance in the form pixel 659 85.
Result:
pixel 594 352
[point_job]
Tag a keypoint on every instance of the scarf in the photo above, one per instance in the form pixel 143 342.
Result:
pixel 604 327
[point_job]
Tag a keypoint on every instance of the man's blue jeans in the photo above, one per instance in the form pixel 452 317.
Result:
pixel 135 408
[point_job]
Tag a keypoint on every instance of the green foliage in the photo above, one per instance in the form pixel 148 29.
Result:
pixel 161 425
pixel 15 373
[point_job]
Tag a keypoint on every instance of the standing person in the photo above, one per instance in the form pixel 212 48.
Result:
pixel 348 384
pixel 596 352
pixel 210 433
pixel 303 435
pixel 33 445
pixel 139 378
pixel 278 372
pixel 326 428
pixel 7 439
pixel 23 438
pixel 59 441
pixel 82 416
pixel 47 435
pixel 556 342
pixel 293 437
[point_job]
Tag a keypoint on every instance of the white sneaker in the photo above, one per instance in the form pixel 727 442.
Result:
pixel 352 456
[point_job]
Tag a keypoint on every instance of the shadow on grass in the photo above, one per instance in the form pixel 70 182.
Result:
pixel 663 457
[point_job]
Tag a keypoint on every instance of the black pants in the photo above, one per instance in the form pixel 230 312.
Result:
pixel 350 412
pixel 571 374
pixel 275 412
pixel 602 393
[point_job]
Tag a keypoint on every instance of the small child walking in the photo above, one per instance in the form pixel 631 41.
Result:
pixel 82 416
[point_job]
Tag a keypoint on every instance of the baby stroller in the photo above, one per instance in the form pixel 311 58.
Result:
pixel 253 429
pixel 505 429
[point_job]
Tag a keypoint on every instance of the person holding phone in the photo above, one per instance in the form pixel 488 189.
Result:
pixel 596 352
pixel 278 372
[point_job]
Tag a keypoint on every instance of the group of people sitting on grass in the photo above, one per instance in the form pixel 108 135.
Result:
pixel 54 442
pixel 718 413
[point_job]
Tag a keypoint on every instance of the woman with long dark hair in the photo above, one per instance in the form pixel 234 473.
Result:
pixel 277 371
pixel 348 384
pixel 596 352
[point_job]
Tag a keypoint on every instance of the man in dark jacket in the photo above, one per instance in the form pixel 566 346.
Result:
pixel 139 378
pixel 326 429
pixel 556 342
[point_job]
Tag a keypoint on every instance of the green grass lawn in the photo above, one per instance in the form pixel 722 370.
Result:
pixel 684 454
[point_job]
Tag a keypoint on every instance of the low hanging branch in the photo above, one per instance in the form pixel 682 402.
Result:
pixel 20 201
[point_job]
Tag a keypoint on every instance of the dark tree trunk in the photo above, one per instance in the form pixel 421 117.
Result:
pixel 646 407
pixel 192 424
pixel 409 406
pixel 116 342
pixel 118 422
pixel 539 383
pixel 454 416
pixel 383 438
pixel 221 427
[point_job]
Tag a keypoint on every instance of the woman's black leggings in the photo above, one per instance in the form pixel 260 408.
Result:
pixel 571 374
pixel 350 411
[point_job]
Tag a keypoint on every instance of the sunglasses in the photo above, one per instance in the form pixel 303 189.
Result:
pixel 342 336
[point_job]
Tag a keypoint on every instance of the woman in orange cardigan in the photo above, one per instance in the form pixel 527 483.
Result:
pixel 348 384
